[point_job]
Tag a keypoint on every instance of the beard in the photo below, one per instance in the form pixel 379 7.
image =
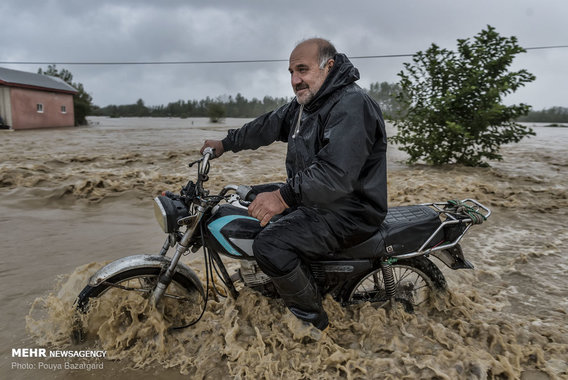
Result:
pixel 306 96
pixel 309 91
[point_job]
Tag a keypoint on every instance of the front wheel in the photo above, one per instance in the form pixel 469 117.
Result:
pixel 415 280
pixel 180 305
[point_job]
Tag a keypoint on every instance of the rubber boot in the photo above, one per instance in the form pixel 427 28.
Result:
pixel 300 293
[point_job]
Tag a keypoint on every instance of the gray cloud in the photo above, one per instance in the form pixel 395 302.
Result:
pixel 238 30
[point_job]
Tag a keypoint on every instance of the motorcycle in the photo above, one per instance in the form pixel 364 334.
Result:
pixel 393 266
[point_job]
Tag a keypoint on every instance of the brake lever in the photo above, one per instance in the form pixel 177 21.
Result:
pixel 207 151
pixel 244 203
pixel 195 162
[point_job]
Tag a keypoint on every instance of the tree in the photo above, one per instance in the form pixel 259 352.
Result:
pixel 216 111
pixel 82 101
pixel 454 101
pixel 385 94
pixel 140 109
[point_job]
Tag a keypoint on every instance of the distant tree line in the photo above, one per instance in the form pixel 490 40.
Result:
pixel 238 106
pixel 549 115
pixel 215 109
pixel 386 94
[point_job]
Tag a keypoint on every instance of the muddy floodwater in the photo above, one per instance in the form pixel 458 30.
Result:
pixel 74 199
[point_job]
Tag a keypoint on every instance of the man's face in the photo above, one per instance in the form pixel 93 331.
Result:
pixel 306 76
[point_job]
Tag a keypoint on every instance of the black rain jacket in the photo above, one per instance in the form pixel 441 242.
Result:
pixel 336 161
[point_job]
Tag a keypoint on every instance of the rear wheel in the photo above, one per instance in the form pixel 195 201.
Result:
pixel 180 305
pixel 415 281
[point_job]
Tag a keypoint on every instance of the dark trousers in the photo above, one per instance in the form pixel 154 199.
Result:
pixel 303 234
pixel 279 250
pixel 300 235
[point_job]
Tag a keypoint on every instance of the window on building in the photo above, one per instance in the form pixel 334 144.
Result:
pixel 63 109
pixel 39 108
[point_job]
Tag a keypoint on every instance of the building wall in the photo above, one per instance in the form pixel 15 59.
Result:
pixel 25 113
pixel 5 106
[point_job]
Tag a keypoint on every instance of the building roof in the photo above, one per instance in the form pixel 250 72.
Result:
pixel 15 78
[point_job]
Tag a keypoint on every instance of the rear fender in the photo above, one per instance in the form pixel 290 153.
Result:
pixel 142 261
pixel 453 258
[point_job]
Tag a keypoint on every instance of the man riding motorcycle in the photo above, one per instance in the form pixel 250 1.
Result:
pixel 335 195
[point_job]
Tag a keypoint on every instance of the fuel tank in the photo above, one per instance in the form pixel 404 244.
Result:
pixel 230 231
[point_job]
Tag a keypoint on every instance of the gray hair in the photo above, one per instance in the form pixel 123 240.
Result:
pixel 326 50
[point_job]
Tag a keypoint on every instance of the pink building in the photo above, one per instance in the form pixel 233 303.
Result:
pixel 29 100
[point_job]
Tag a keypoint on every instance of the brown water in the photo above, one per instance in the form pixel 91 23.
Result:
pixel 74 199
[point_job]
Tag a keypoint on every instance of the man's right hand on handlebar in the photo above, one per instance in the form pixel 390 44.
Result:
pixel 216 145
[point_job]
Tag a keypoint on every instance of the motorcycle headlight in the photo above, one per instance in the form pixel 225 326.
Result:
pixel 167 212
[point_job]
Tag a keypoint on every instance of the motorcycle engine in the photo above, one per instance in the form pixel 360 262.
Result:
pixel 256 279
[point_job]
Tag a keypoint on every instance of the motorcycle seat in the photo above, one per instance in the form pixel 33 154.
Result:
pixel 369 248
pixel 404 230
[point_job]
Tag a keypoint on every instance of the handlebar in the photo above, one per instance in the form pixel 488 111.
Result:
pixel 203 167
pixel 208 153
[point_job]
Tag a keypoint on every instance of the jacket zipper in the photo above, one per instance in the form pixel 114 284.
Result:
pixel 298 122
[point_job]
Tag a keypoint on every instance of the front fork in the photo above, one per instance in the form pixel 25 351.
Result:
pixel 166 246
pixel 166 277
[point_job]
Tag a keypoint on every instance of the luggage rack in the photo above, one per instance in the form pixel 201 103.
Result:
pixel 466 212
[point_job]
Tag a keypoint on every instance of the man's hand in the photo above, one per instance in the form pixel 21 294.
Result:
pixel 266 205
pixel 217 146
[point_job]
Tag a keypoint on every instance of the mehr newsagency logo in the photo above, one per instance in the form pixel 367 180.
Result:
pixel 81 357
pixel 43 353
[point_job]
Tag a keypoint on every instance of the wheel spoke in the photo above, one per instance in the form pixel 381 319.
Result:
pixel 403 275
pixel 416 289
pixel 418 278
pixel 128 288
pixel 376 281
pixel 179 298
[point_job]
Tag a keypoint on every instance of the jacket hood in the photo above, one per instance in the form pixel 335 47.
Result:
pixel 342 74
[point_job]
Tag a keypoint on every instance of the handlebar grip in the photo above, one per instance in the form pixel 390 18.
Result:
pixel 210 151
pixel 246 193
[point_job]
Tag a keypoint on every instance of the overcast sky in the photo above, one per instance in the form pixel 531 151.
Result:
pixel 143 30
